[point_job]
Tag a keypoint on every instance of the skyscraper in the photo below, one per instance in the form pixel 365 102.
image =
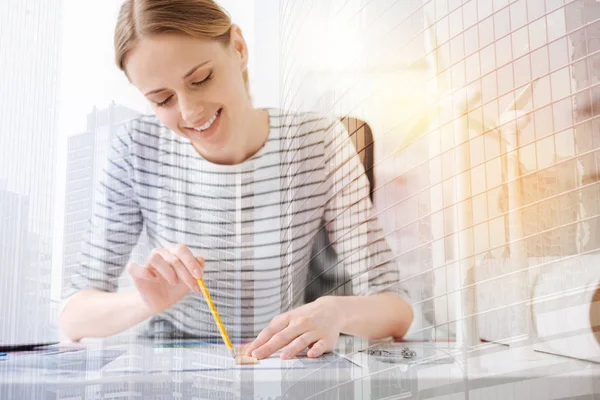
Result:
pixel 30 43
pixel 29 69
pixel 14 211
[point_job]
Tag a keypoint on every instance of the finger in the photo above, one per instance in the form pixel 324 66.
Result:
pixel 279 341
pixel 278 323
pixel 299 344
pixel 318 349
pixel 153 273
pixel 163 268
pixel 182 273
pixel 138 272
pixel 195 268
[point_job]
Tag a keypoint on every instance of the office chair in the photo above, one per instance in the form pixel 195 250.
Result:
pixel 322 254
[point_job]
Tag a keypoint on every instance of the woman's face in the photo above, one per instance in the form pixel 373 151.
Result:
pixel 195 86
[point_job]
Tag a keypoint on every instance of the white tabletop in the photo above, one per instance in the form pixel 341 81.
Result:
pixel 123 369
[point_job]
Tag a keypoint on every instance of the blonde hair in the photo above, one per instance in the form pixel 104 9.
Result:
pixel 202 19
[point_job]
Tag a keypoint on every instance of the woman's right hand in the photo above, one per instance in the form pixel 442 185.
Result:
pixel 167 276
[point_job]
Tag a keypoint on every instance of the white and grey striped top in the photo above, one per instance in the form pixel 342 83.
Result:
pixel 252 222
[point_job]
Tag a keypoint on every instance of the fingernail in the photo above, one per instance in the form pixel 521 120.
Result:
pixel 197 273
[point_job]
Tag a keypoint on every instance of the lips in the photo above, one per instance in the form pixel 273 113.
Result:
pixel 207 129
pixel 208 123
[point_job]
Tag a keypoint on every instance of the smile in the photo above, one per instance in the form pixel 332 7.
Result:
pixel 209 123
pixel 207 130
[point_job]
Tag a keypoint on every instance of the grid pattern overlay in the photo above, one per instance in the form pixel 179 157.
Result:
pixel 486 136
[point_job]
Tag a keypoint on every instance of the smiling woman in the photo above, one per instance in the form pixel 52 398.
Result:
pixel 231 194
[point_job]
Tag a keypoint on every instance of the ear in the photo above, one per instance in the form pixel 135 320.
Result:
pixel 238 43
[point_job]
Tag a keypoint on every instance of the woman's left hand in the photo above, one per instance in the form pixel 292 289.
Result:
pixel 316 325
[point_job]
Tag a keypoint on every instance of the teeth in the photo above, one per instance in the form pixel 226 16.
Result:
pixel 208 123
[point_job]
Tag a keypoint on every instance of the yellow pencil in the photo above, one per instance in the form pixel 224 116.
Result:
pixel 215 315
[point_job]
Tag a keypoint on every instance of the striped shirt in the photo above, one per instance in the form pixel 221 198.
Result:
pixel 252 222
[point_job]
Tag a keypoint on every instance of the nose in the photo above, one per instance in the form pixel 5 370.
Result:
pixel 191 111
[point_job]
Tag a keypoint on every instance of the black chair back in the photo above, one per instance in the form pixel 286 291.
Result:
pixel 323 280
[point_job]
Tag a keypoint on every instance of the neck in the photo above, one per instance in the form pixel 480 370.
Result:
pixel 258 133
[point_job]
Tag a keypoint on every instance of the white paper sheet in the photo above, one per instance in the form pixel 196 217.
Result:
pixel 207 358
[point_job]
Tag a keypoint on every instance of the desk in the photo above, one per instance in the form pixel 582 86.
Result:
pixel 439 370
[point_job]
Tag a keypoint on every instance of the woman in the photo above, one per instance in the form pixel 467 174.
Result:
pixel 229 193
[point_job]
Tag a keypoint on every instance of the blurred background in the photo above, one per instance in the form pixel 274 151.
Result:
pixel 486 140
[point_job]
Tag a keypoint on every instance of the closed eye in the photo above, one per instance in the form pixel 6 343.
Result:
pixel 204 81
pixel 164 102
pixel 199 83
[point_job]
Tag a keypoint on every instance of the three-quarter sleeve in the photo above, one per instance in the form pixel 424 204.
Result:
pixel 351 222
pixel 115 224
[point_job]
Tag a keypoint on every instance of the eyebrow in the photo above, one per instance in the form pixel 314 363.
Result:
pixel 190 72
